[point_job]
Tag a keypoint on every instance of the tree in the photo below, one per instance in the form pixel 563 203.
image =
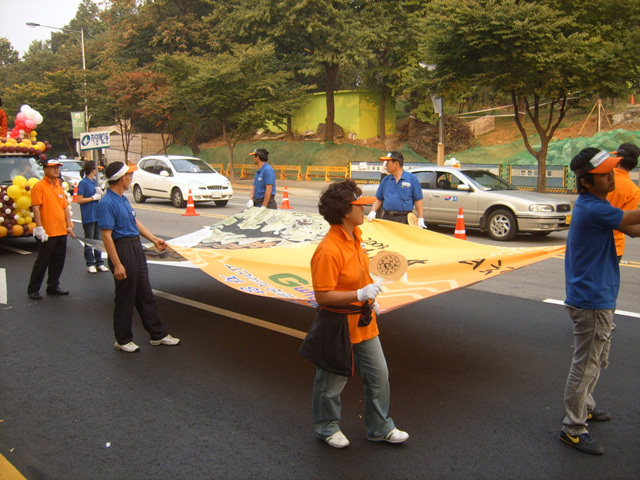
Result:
pixel 230 89
pixel 314 38
pixel 538 54
pixel 135 96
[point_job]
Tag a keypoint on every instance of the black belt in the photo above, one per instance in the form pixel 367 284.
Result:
pixel 126 239
pixel 396 213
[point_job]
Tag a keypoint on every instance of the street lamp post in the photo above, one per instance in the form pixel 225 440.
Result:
pixel 84 65
pixel 438 107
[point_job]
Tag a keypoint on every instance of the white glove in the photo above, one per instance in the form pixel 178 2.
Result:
pixel 40 234
pixel 421 223
pixel 97 197
pixel 376 307
pixel 262 206
pixel 369 292
pixel 371 216
pixel 250 203
pixel 99 190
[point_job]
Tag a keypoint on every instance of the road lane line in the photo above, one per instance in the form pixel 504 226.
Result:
pixel 16 250
pixel 3 288
pixel 8 471
pixel 617 312
pixel 236 316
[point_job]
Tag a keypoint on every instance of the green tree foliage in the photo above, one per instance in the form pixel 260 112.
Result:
pixel 539 54
pixel 231 90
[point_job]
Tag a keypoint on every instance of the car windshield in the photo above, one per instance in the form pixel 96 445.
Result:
pixel 488 181
pixel 71 167
pixel 12 166
pixel 191 165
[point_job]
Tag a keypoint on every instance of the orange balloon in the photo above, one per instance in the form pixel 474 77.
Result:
pixel 17 230
pixel 3 231
pixel 31 227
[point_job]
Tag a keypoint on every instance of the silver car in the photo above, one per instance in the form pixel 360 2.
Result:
pixel 172 177
pixel 488 202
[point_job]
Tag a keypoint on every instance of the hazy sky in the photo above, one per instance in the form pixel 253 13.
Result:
pixel 16 13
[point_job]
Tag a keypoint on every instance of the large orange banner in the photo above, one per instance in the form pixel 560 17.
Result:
pixel 267 253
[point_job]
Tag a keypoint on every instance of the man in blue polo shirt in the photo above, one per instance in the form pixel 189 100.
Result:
pixel 121 232
pixel 263 190
pixel 592 280
pixel 398 192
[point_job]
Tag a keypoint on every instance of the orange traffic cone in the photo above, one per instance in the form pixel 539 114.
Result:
pixel 460 231
pixel 285 200
pixel 191 208
pixel 75 192
pixel 632 102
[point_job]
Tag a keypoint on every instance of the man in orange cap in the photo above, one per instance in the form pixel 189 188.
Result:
pixel 398 192
pixel 592 280
pixel 53 224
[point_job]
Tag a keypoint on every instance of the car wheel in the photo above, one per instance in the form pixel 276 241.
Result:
pixel 501 225
pixel 137 195
pixel 221 203
pixel 177 199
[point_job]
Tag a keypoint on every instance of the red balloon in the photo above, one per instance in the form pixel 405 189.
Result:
pixel 43 157
pixel 11 149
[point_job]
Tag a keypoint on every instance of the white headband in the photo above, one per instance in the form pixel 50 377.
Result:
pixel 120 173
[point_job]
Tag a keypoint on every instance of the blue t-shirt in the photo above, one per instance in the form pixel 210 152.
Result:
pixel 592 274
pixel 115 214
pixel 399 196
pixel 265 176
pixel 87 188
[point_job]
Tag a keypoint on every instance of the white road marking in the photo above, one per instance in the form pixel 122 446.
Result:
pixel 236 316
pixel 15 250
pixel 617 312
pixel 3 286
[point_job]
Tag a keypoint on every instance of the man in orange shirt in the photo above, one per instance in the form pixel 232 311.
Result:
pixel 626 195
pixel 343 287
pixel 53 224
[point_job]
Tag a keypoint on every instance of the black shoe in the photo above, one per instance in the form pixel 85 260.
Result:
pixel 35 295
pixel 583 442
pixel 596 415
pixel 57 291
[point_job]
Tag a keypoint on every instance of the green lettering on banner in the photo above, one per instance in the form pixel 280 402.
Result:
pixel 288 280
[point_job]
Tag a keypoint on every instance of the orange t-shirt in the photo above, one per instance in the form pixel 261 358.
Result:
pixel 340 263
pixel 626 196
pixel 53 202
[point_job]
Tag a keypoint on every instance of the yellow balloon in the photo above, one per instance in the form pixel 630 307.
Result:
pixel 23 202
pixel 27 142
pixel 32 181
pixel 14 191
pixel 20 181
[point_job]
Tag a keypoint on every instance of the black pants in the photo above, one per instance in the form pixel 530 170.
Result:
pixel 51 256
pixel 257 202
pixel 134 291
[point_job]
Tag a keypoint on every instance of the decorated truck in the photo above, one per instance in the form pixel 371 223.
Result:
pixel 20 169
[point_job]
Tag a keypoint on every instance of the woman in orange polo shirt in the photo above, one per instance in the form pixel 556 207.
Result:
pixel 342 284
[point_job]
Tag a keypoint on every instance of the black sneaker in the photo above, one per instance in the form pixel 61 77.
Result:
pixel 583 442
pixel 598 415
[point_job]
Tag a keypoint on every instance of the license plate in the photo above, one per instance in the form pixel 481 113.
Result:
pixel 216 195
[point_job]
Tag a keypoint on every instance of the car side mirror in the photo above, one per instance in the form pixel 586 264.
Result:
pixel 463 187
pixel 164 173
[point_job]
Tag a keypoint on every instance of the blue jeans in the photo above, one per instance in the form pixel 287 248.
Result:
pixel 91 256
pixel 371 365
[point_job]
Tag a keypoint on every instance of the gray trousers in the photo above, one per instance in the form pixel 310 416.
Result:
pixel 591 343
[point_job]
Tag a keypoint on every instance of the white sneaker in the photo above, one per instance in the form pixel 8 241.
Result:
pixel 102 268
pixel 394 436
pixel 168 340
pixel 92 269
pixel 128 347
pixel 337 440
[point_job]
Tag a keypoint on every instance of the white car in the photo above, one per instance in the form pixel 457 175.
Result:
pixel 488 202
pixel 70 172
pixel 171 177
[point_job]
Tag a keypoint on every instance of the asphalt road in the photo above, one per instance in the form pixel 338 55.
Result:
pixel 476 374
